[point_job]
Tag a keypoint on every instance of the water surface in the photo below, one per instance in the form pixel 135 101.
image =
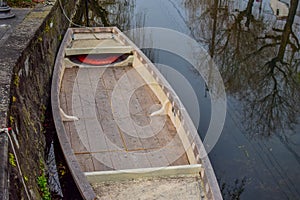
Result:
pixel 258 153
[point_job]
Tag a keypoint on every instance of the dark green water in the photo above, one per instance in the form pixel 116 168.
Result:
pixel 258 153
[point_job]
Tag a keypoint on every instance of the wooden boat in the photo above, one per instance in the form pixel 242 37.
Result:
pixel 123 130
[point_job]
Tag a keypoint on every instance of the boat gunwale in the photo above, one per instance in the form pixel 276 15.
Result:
pixel 207 175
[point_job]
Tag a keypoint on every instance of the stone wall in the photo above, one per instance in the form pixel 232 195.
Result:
pixel 26 66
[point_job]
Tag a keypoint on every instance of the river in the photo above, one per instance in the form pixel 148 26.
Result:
pixel 258 153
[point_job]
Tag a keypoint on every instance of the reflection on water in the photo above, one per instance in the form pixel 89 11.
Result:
pixel 235 190
pixel 105 13
pixel 258 54
pixel 119 12
pixel 259 59
pixel 259 62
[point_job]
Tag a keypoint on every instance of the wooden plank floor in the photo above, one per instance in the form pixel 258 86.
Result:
pixel 114 130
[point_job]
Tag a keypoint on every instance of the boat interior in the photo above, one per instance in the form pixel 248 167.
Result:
pixel 119 124
pixel 120 119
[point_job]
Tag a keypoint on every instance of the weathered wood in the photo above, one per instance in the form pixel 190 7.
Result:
pixel 103 164
pixel 129 133
pixel 85 161
pixel 94 43
pixel 97 36
pixel 183 170
pixel 99 50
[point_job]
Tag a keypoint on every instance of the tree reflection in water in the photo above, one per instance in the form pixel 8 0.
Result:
pixel 258 56
pixel 106 13
pixel 234 191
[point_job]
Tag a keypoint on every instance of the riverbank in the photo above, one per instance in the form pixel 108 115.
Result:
pixel 28 47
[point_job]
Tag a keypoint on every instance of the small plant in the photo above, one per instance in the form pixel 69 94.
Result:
pixel 12 160
pixel 44 190
pixel 42 183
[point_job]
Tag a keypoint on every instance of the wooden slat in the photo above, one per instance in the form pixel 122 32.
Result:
pixel 85 162
pixel 111 131
pixel 165 136
pixel 109 80
pixel 172 171
pixel 93 30
pixel 157 159
pixel 98 50
pixel 78 134
pixel 129 134
pixel 183 159
pixel 102 163
pixel 100 166
pixel 121 160
pixel 85 36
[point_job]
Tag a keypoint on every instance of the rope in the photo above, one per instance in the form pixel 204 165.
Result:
pixel 64 13
pixel 6 130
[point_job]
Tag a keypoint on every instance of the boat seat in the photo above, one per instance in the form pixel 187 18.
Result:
pixel 99 50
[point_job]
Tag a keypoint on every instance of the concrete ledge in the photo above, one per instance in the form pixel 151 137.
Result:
pixel 181 170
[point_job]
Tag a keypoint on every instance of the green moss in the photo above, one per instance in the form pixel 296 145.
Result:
pixel 11 120
pixel 16 80
pixel 29 123
pixel 43 109
pixel 43 118
pixel 34 129
pixel 40 39
pixel 42 183
pixel 12 160
pixel 26 117
pixel 47 28
pixel 59 38
pixel 43 187
pixel 14 99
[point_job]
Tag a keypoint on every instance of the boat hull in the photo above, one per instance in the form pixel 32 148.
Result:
pixel 120 119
